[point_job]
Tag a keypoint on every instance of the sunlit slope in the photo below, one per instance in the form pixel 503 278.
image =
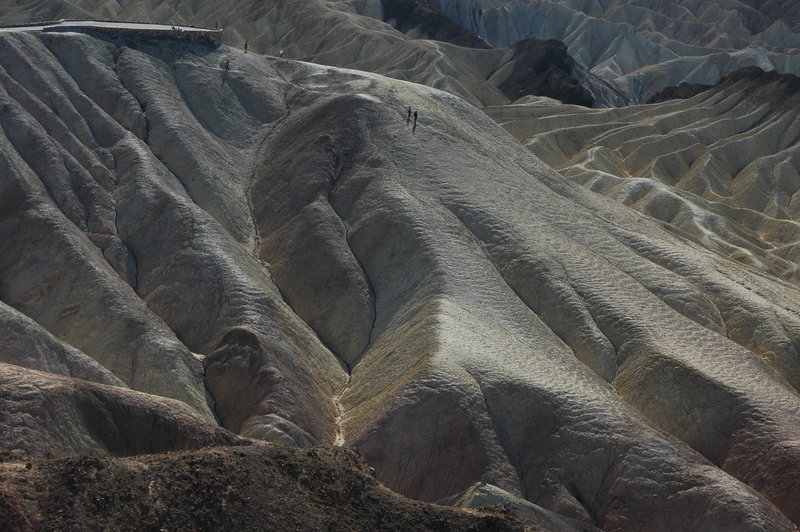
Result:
pixel 720 168
pixel 271 236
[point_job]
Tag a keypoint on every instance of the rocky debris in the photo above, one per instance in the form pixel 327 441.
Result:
pixel 46 415
pixel 264 487
pixel 541 68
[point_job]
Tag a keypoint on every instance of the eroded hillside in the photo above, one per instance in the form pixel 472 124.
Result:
pixel 640 47
pixel 624 51
pixel 269 242
pixel 720 168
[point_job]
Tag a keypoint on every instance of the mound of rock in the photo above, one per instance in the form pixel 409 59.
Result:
pixel 264 487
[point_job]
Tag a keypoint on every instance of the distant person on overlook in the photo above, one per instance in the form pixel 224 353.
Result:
pixel 408 120
pixel 414 129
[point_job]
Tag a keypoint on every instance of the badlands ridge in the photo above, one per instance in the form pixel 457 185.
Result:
pixel 624 51
pixel 201 247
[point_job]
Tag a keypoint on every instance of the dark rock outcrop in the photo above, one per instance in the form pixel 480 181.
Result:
pixel 424 17
pixel 543 68
pixel 784 84
pixel 676 92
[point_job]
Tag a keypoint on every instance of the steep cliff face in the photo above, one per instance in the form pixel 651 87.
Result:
pixel 272 243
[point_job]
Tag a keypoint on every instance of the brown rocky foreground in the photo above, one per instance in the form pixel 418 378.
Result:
pixel 260 487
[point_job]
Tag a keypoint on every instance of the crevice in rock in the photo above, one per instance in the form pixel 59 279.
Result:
pixel 339 441
pixel 373 303
pixel 578 496
pixel 133 279
pixel 503 436
pixel 210 400
pixel 146 134
pixel 72 96
pixel 262 145
pixel 335 175
pixel 145 140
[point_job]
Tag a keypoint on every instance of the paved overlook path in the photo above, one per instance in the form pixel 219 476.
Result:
pixel 114 28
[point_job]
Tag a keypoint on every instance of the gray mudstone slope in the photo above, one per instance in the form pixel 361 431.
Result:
pixel 271 244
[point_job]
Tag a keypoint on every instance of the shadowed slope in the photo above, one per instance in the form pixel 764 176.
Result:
pixel 413 16
pixel 23 342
